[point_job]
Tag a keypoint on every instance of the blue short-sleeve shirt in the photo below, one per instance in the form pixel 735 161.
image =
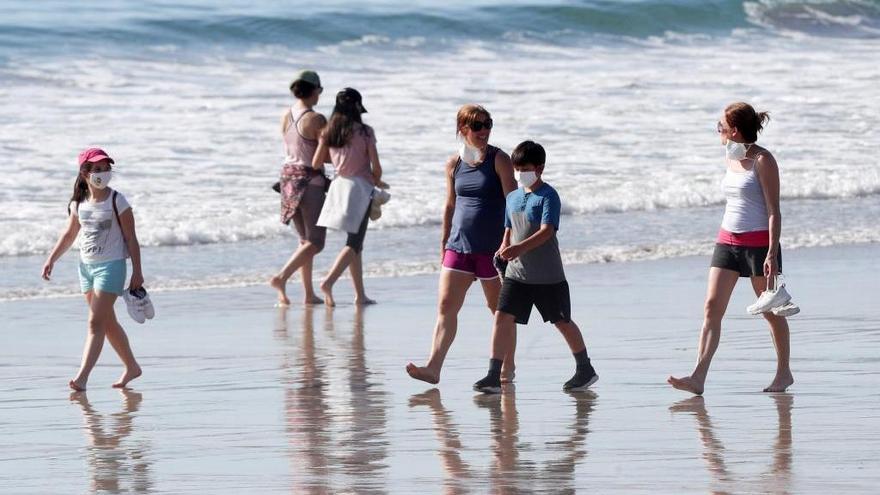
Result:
pixel 524 215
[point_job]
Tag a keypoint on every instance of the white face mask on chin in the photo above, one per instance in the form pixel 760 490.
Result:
pixel 100 179
pixel 735 151
pixel 525 178
pixel 468 153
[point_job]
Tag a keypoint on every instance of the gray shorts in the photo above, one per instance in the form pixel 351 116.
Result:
pixel 307 214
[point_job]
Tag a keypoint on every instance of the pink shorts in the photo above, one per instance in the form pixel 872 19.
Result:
pixel 477 264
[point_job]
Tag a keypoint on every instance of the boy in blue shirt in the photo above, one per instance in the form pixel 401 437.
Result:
pixel 534 275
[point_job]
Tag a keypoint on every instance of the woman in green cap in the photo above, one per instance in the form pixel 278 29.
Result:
pixel 302 187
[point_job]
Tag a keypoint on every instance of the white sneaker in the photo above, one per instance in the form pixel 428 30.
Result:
pixel 787 309
pixel 133 307
pixel 380 197
pixel 768 300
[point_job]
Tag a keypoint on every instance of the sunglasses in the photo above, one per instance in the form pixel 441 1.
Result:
pixel 479 126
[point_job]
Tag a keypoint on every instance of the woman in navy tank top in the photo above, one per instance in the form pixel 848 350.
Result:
pixel 478 179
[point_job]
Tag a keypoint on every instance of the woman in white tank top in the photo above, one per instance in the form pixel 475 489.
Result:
pixel 747 244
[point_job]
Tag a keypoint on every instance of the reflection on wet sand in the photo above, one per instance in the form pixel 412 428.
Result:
pixel 116 463
pixel 510 470
pixel 777 480
pixel 455 470
pixel 332 436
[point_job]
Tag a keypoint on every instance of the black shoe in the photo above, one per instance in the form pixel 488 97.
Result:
pixel 489 385
pixel 581 380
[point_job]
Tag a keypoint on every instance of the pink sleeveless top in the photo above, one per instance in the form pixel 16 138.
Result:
pixel 298 149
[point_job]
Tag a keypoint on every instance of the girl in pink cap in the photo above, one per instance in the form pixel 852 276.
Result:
pixel 108 238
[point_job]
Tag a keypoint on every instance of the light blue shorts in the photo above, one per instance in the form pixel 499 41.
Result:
pixel 108 276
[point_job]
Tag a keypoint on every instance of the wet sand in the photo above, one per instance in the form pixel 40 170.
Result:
pixel 241 397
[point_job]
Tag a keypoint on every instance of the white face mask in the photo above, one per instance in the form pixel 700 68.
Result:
pixel 468 153
pixel 735 151
pixel 525 178
pixel 100 179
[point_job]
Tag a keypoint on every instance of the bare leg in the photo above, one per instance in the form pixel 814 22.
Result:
pixel 452 290
pixel 119 340
pixel 304 254
pixel 720 287
pixel 491 289
pixel 356 269
pixel 779 331
pixel 502 334
pixel 305 272
pixel 346 255
pixel 100 311
pixel 572 335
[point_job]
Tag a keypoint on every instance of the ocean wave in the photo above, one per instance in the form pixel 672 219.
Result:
pixel 409 25
pixel 37 237
pixel 612 253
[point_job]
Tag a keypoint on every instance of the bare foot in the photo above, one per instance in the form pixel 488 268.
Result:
pixel 281 287
pixel 780 383
pixel 363 301
pixel 422 373
pixel 127 376
pixel 312 299
pixel 77 386
pixel 327 290
pixel 507 375
pixel 686 383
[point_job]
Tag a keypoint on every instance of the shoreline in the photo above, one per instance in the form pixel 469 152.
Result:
pixel 570 259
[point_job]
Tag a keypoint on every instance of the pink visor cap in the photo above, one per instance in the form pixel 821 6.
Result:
pixel 93 155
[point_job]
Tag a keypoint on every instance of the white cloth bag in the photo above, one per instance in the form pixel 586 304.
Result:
pixel 346 204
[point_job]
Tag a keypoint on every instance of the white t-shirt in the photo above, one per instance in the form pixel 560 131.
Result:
pixel 100 234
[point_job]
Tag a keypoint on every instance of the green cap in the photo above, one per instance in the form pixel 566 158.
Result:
pixel 308 76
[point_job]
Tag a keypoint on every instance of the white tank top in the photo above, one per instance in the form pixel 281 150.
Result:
pixel 746 210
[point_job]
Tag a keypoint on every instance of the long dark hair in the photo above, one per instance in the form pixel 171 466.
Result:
pixel 81 186
pixel 346 114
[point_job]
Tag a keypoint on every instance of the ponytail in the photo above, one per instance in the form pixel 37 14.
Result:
pixel 80 187
pixel 761 118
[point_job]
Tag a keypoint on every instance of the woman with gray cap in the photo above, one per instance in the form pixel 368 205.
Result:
pixel 302 187
pixel 350 145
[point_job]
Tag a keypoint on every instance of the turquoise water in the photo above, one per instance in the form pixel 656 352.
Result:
pixel 624 96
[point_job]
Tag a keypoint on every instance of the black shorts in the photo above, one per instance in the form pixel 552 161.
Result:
pixel 748 261
pixel 552 300
pixel 356 241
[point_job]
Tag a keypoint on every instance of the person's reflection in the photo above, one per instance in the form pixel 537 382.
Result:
pixel 330 438
pixel 780 471
pixel 507 474
pixel 456 471
pixel 713 449
pixel 365 448
pixel 561 472
pixel 117 463
pixel 305 406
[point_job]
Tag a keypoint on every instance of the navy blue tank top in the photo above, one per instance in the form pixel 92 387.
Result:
pixel 478 220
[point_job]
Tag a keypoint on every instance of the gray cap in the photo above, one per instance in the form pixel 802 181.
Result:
pixel 308 76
